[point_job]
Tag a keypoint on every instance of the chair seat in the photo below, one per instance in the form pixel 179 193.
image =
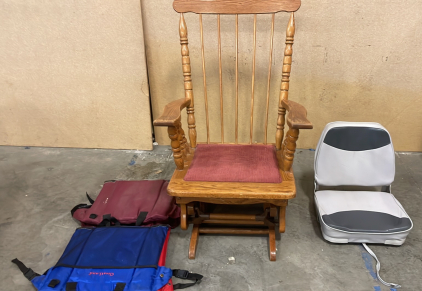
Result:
pixel 284 189
pixel 362 216
pixel 234 163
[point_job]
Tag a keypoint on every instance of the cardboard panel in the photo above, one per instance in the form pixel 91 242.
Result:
pixel 73 74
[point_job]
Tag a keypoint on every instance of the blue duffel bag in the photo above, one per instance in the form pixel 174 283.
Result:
pixel 121 258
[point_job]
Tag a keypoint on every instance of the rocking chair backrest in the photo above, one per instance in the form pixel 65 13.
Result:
pixel 236 7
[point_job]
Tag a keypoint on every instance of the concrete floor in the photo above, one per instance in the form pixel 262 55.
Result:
pixel 39 186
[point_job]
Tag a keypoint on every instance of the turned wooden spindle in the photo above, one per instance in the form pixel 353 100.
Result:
pixel 280 127
pixel 237 81
pixel 253 77
pixel 284 87
pixel 183 32
pixel 220 71
pixel 175 146
pixel 269 77
pixel 207 118
pixel 289 148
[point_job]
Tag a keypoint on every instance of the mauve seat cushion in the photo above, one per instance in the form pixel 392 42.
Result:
pixel 234 163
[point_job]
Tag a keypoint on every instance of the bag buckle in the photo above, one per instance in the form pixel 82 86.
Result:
pixel 182 274
pixel 30 274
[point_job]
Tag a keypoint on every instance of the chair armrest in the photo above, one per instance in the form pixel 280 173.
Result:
pixel 171 113
pixel 296 118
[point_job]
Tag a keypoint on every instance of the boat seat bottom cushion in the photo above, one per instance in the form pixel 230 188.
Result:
pixel 361 212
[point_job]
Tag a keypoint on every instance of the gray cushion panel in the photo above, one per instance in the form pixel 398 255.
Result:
pixel 353 138
pixel 367 221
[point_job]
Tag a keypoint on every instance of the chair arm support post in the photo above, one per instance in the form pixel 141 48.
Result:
pixel 296 119
pixel 171 118
pixel 289 148
pixel 173 132
pixel 183 141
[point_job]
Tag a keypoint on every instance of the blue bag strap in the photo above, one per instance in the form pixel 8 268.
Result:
pixel 27 272
pixel 183 274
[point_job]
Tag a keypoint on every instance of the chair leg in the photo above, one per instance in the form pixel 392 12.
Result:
pixel 193 242
pixel 183 217
pixel 282 219
pixel 271 240
pixel 190 207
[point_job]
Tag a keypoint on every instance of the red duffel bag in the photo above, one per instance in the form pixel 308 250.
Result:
pixel 130 203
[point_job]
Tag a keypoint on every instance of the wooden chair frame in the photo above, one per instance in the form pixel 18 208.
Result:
pixel 194 197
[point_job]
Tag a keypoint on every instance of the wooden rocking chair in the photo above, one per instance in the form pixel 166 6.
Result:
pixel 235 173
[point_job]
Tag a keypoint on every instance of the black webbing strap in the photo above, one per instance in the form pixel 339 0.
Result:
pixel 79 206
pixel 141 218
pixel 120 287
pixel 71 286
pixel 27 272
pixel 183 274
pixel 89 198
pixel 108 220
pixel 53 283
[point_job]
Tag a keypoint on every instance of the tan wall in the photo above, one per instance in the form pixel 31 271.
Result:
pixel 353 61
pixel 73 74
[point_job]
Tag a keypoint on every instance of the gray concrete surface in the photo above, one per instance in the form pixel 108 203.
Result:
pixel 39 186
